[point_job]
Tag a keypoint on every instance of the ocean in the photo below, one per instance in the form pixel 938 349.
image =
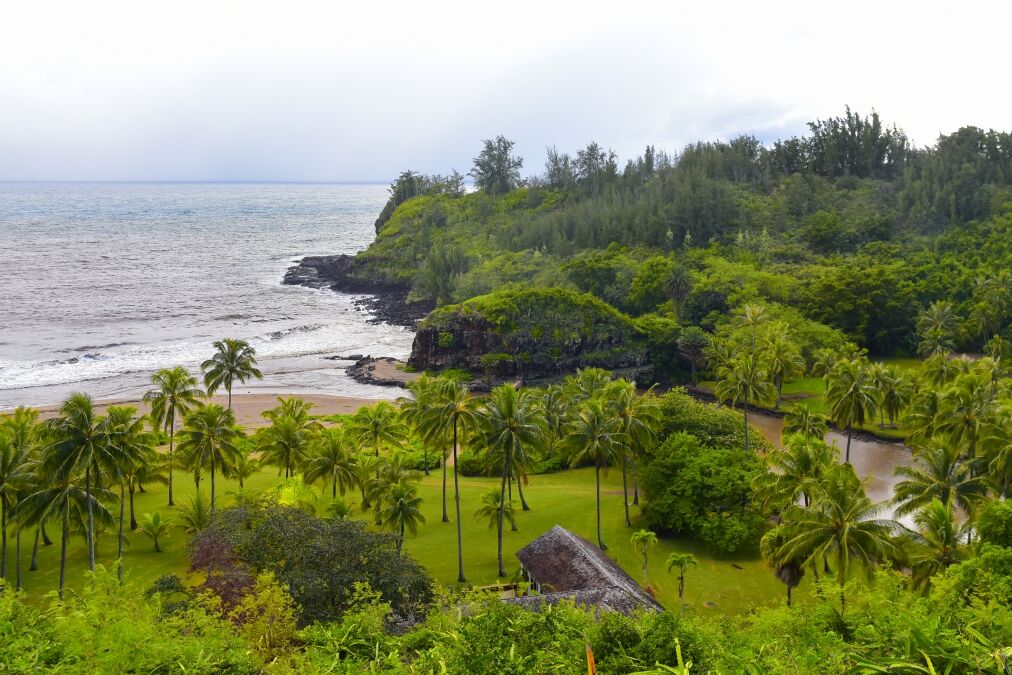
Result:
pixel 101 284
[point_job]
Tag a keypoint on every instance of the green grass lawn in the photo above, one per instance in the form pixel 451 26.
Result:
pixel 718 584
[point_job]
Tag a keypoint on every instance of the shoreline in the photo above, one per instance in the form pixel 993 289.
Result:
pixel 248 407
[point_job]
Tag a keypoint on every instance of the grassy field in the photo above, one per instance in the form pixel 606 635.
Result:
pixel 724 584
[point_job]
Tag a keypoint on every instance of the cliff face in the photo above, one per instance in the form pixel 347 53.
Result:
pixel 528 333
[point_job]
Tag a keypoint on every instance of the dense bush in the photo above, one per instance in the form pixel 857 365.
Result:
pixel 701 491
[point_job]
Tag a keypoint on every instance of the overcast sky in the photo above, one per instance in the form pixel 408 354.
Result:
pixel 293 90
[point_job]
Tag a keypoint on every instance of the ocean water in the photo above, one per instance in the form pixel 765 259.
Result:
pixel 103 283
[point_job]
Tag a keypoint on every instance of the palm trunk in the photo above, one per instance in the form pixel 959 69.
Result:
pixel 17 559
pixel 848 443
pixel 400 540
pixel 3 540
pixel 172 434
pixel 35 552
pixel 45 536
pixel 502 507
pixel 456 499
pixel 597 479
pixel 133 515
pixel 780 393
pixel 446 518
pixel 63 542
pixel 520 491
pixel 425 457
pixel 788 595
pixel 681 591
pixel 636 487
pixel 333 489
pixel 744 408
pixel 212 484
pixel 122 515
pixel 229 390
pixel 625 493
pixel 91 520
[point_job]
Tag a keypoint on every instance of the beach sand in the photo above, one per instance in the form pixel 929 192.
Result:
pixel 248 408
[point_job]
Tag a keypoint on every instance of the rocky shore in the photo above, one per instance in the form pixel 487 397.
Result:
pixel 386 300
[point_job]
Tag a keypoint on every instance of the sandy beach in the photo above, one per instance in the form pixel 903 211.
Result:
pixel 249 408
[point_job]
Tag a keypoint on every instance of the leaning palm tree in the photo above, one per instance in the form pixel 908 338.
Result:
pixel 597 436
pixel 454 409
pixel 175 393
pixel 233 360
pixel 643 541
pixel 17 474
pixel 804 422
pixel 842 523
pixel 935 542
pixel 285 443
pixel 681 562
pixel 77 445
pixel 745 380
pixel 511 426
pixel 331 460
pixel 125 443
pixel 208 439
pixel 639 417
pixel 938 472
pixel 402 511
pixel 795 472
pixel 851 396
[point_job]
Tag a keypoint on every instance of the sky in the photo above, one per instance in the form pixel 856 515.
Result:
pixel 341 91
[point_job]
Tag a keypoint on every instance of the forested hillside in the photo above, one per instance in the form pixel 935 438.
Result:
pixel 849 227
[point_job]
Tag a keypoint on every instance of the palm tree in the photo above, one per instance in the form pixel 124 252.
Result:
pixel 692 344
pixel 415 409
pixel 788 570
pixel 175 394
pixel 595 435
pixel 966 408
pixel 146 470
pixel 795 472
pixel 77 445
pixel 678 287
pixel 196 514
pixel 331 460
pixel 402 511
pixel 489 510
pixel 781 359
pixel 895 391
pixel 937 327
pixel 125 443
pixel 752 316
pixel 156 528
pixel 555 408
pixel 938 473
pixel 453 408
pixel 209 436
pixel 285 443
pixel 16 476
pixel 681 562
pixel 851 396
pixel 804 422
pixel 996 442
pixel 935 542
pixel 233 360
pixel 512 427
pixel 372 426
pixel 921 418
pixel 295 408
pixel 743 379
pixel 643 541
pixel 823 362
pixel 639 417
pixel 389 473
pixel 586 383
pixel 241 469
pixel 842 522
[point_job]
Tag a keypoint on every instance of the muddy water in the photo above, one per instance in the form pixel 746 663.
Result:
pixel 873 461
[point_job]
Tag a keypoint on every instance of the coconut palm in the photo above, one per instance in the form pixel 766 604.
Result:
pixel 147 470
pixel 241 469
pixel 643 541
pixel 586 383
pixel 17 475
pixel 851 396
pixel 795 472
pixel 639 417
pixel 77 444
pixel 966 409
pixel 511 427
pixel 842 523
pixel 895 391
pixel 996 442
pixel 175 393
pixel 680 562
pixel 125 443
pixel 781 358
pixel 555 408
pixel 937 328
pixel 415 409
pixel 692 344
pixel 156 528
pixel 285 443
pixel 489 510
pixel 295 408
pixel 234 360
pixel 595 435
pixel 719 353
pixel 208 440
pixel 823 362
pixel 331 460
pixel 454 409
pixel 375 425
pixel 788 570
pixel 388 473
pixel 745 380
pixel 935 542
pixel 26 436
pixel 402 511
pixel 752 316
pixel 938 472
pixel 804 422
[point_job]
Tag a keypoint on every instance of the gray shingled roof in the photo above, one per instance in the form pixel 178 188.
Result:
pixel 570 567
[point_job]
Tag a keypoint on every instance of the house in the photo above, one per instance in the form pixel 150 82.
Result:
pixel 562 566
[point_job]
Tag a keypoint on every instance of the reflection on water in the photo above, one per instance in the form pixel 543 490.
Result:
pixel 873 461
